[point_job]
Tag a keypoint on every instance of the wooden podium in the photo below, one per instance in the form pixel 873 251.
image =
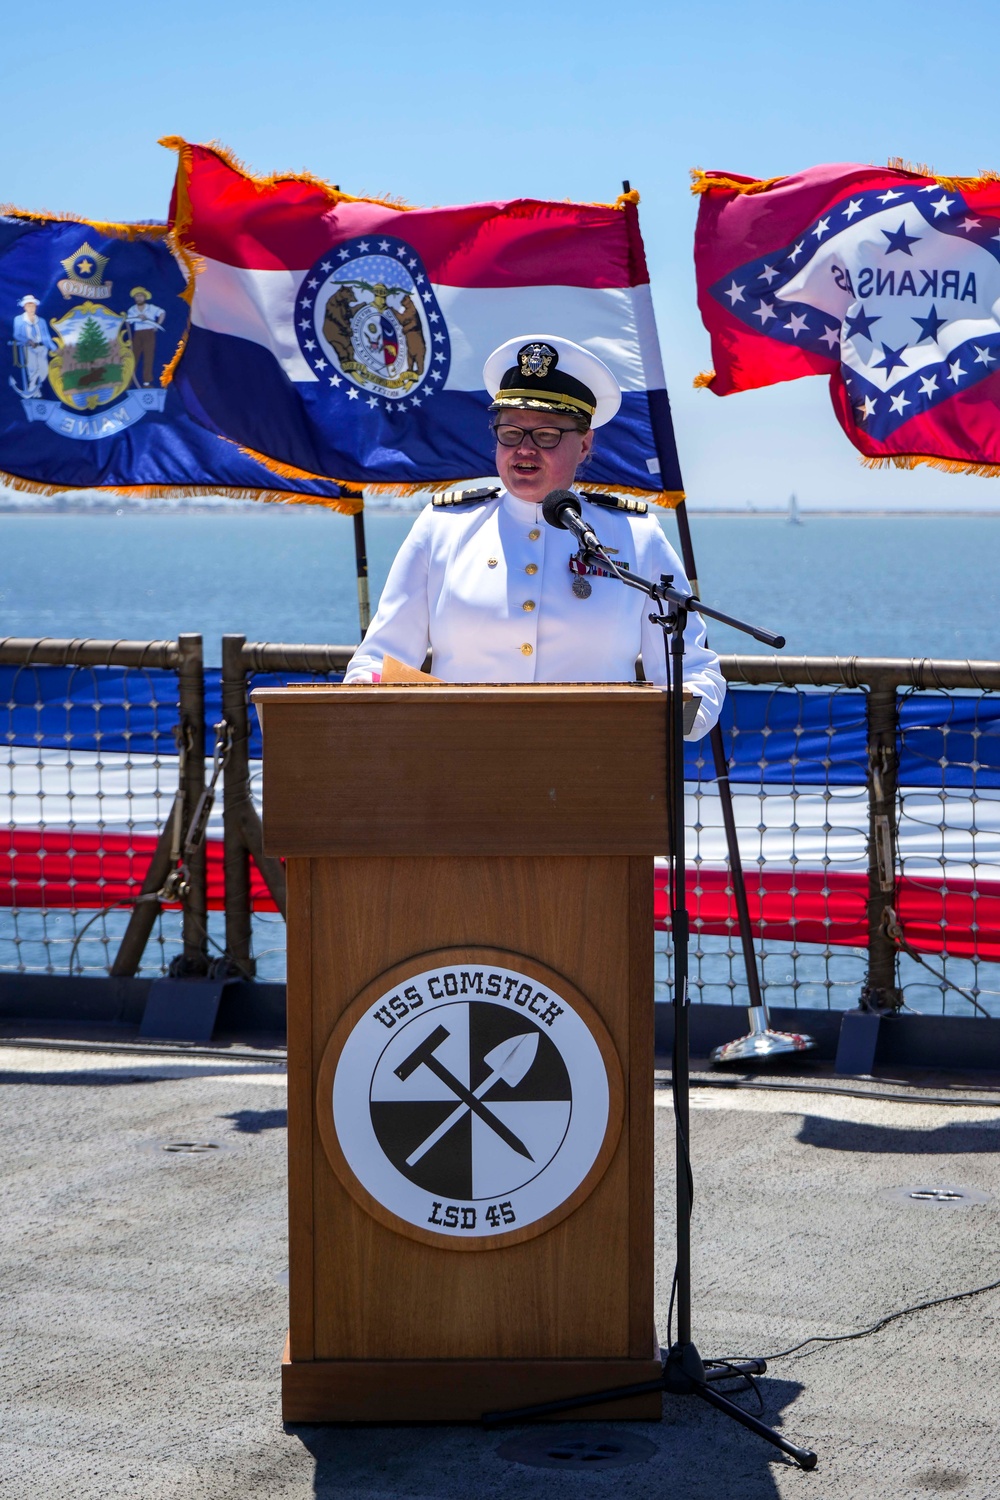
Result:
pixel 470 1043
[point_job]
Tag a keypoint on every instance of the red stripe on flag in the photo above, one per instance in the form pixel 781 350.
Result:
pixel 54 868
pixel 62 870
pixel 289 224
pixel 808 906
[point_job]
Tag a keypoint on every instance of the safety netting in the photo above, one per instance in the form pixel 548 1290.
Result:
pixel 91 769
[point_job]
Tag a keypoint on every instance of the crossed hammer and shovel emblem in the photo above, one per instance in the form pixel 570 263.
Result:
pixel 508 1063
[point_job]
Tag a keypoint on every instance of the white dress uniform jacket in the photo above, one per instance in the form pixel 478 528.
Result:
pixel 488 587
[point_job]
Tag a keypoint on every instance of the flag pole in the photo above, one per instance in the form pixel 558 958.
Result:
pixel 761 1041
pixel 361 565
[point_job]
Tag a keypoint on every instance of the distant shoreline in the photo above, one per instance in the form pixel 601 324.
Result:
pixel 62 505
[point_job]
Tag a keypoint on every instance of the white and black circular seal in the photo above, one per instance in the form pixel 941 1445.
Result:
pixel 474 1098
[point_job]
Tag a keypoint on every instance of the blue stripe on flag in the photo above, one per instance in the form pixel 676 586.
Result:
pixel 237 387
pixel 806 738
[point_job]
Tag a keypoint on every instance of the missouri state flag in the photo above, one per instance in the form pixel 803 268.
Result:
pixel 885 279
pixel 95 314
pixel 346 337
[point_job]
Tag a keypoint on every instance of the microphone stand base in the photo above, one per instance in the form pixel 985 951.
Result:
pixel 684 1374
pixel 761 1042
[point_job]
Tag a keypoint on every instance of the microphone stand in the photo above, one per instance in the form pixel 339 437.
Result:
pixel 684 1372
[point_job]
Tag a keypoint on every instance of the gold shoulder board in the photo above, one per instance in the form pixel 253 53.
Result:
pixel 464 497
pixel 619 502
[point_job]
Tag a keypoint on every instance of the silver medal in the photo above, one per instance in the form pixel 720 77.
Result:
pixel 581 588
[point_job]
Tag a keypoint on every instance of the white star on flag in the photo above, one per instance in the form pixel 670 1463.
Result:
pixel 955 371
pixel 898 402
pixel 325 266
pixel 769 273
pixel 764 312
pixel 941 206
pixel 334 379
pixel 854 207
pixel 352 394
pixel 928 385
pixel 969 224
pixel 797 251
pixel 343 254
pixel 983 356
pixel 735 293
pixel 796 323
pixel 866 408
pixel 383 244
pixel 362 246
pixel 821 228
pixel 830 335
pixel 887 197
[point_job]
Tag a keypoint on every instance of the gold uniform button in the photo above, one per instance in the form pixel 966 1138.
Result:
pixel 528 606
pixel 532 568
pixel 534 534
pixel 527 649
pixel 492 562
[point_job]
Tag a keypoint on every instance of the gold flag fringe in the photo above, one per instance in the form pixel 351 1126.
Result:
pixel 704 182
pixel 272 179
pixel 947 465
pixel 668 499
pixel 111 231
pixel 704 380
pixel 347 505
pixel 401 489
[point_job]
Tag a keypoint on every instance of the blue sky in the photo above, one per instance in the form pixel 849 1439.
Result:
pixel 449 103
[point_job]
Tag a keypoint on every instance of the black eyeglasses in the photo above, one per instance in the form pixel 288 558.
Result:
pixel 541 437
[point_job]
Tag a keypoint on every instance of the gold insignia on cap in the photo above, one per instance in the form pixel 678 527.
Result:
pixel 535 359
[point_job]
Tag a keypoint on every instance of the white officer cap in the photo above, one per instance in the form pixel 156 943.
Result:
pixel 539 372
pixel 29 298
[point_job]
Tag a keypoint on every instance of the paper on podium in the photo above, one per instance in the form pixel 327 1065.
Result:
pixel 398 671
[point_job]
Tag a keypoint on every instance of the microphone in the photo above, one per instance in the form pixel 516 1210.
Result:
pixel 561 508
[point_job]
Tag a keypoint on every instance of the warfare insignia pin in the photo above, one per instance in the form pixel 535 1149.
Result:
pixel 367 319
pixel 535 359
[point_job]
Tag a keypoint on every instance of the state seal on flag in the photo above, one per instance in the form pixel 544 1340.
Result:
pixel 368 321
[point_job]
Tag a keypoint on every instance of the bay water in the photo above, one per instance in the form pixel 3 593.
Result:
pixel 866 585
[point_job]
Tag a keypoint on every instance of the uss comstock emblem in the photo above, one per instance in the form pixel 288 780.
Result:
pixel 472 1100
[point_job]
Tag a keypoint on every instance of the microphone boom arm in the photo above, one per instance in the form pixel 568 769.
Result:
pixel 664 593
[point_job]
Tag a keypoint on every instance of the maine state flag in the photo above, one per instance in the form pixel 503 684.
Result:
pixel 94 316
pixel 885 279
pixel 346 337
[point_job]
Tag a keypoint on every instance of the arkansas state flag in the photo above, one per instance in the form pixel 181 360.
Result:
pixel 887 280
pixel 346 337
pixel 95 313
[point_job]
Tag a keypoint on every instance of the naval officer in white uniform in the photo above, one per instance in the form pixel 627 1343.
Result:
pixel 491 588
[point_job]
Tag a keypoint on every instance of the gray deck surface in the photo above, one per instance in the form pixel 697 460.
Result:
pixel 143 1307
